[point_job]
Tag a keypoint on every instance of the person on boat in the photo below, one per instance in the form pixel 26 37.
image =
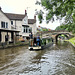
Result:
pixel 31 36
pixel 35 42
pixel 31 39
pixel 38 41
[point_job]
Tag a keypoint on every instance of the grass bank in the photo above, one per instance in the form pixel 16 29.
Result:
pixel 72 41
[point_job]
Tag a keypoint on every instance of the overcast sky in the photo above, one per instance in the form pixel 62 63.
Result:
pixel 19 6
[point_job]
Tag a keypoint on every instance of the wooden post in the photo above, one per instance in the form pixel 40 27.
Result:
pixel 14 37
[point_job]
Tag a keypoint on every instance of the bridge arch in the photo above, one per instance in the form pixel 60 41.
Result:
pixel 56 37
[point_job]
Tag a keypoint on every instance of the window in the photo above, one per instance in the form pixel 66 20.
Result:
pixel 11 22
pixel 30 30
pixel 2 24
pixel 6 24
pixel 25 29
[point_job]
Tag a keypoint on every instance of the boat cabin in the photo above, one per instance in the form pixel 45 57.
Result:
pixel 40 43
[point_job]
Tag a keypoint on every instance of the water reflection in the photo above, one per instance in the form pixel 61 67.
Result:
pixel 56 60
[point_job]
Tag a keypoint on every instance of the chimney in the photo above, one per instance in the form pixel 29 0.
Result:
pixel 35 17
pixel 25 12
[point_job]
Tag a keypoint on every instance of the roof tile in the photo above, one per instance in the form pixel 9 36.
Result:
pixel 15 16
pixel 19 17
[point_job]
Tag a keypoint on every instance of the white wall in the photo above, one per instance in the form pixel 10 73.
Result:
pixel 4 19
pixel 34 28
pixel 3 36
pixel 25 20
pixel 13 26
pixel 19 27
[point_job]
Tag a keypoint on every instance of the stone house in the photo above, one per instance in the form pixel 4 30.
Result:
pixel 14 26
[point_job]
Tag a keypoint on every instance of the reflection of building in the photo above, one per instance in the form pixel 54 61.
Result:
pixel 14 26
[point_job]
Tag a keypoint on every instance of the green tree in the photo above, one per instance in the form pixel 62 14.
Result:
pixel 40 16
pixel 59 8
pixel 67 27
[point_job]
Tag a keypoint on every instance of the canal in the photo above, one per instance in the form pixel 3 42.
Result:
pixel 58 59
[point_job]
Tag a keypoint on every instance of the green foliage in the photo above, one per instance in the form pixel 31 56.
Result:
pixel 72 40
pixel 67 27
pixel 62 27
pixel 59 8
pixel 40 16
pixel 44 29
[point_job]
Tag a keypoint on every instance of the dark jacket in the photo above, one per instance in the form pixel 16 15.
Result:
pixel 31 36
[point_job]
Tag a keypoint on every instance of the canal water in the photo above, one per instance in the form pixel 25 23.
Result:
pixel 58 59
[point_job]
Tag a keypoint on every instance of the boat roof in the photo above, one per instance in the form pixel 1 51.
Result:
pixel 46 37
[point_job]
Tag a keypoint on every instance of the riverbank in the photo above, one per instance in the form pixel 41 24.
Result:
pixel 14 45
pixel 72 41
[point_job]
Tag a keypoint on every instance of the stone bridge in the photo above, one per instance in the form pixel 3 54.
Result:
pixel 54 34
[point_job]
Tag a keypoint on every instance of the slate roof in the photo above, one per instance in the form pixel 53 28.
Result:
pixel 12 16
pixel 31 21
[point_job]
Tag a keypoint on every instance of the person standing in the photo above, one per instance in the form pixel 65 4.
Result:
pixel 38 41
pixel 31 39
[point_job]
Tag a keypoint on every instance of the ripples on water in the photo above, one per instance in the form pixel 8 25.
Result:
pixel 56 60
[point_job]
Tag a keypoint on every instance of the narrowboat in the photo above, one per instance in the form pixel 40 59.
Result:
pixel 39 45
